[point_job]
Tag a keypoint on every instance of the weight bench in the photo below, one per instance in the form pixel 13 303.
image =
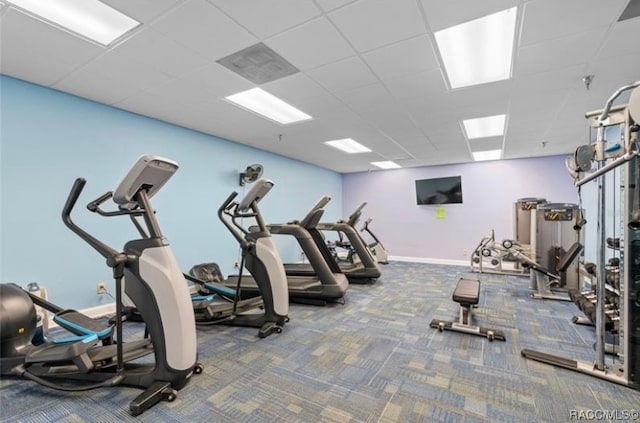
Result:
pixel 467 294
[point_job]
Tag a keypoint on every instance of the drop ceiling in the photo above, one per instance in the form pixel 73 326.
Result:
pixel 368 70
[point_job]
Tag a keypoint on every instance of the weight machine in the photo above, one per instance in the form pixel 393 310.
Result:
pixel 491 256
pixel 609 155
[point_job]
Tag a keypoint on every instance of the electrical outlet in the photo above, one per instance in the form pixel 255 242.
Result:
pixel 236 265
pixel 465 253
pixel 101 288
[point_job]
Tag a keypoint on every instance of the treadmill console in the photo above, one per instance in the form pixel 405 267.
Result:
pixel 316 212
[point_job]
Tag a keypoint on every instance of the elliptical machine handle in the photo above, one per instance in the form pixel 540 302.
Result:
pixel 94 206
pixel 72 199
pixel 227 203
pixel 104 250
pixel 224 208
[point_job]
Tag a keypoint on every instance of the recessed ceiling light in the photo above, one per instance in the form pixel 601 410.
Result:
pixel 490 126
pixel 386 165
pixel 480 156
pixel 348 146
pixel 478 51
pixel 89 18
pixel 261 102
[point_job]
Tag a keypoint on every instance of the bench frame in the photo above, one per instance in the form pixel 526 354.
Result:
pixel 467 294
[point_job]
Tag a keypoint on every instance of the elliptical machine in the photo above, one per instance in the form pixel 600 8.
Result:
pixel 153 282
pixel 376 247
pixel 261 258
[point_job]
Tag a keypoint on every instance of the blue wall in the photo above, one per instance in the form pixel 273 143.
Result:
pixel 49 138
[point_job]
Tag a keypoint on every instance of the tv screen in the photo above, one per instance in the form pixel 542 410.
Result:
pixel 439 190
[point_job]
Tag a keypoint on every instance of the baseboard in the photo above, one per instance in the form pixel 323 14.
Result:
pixel 430 260
pixel 93 312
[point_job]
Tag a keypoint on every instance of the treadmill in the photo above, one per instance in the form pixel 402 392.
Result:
pixel 331 284
pixel 262 259
pixel 366 269
pixel 362 272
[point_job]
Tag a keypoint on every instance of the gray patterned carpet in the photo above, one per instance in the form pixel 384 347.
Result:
pixel 374 359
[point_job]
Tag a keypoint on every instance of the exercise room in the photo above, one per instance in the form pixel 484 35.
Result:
pixel 319 211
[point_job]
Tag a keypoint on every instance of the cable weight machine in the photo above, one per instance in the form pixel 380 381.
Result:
pixel 607 156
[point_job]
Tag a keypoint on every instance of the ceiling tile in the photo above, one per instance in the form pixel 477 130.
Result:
pixel 402 58
pixel 95 86
pixel 459 11
pixel 266 18
pixel 307 95
pixel 199 26
pixel 368 24
pixel 449 136
pixel 149 104
pixel 328 5
pixel 110 78
pixel 343 75
pixel 479 100
pixel 203 86
pixel 368 72
pixel 142 10
pixel 368 98
pixel 311 44
pixel 425 86
pixel 40 53
pixel 620 40
pixel 212 121
pixel 613 73
pixel 551 19
pixel 558 53
pixel 542 94
pixel 484 144
pixel 153 49
pixel 527 133
pixel 550 82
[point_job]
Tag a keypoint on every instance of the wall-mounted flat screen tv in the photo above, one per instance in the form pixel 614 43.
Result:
pixel 439 190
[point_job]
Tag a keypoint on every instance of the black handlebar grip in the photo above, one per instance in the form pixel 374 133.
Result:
pixel 93 206
pixel 72 198
pixel 227 202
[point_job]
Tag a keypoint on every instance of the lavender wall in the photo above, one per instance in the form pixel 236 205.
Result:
pixel 489 192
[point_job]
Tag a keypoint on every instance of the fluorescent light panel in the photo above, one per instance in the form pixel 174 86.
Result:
pixel 261 102
pixel 89 18
pixel 386 165
pixel 348 146
pixel 478 51
pixel 490 126
pixel 479 156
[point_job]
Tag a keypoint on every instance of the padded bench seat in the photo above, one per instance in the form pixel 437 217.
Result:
pixel 467 291
pixel 467 294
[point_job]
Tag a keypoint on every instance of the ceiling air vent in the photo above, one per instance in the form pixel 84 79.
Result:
pixel 631 11
pixel 259 64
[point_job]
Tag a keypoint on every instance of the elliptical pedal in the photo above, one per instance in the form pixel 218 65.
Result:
pixel 81 324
